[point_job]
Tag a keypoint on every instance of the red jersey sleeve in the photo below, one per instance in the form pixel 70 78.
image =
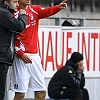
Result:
pixel 49 11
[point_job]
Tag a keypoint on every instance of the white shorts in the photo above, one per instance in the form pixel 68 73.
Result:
pixel 27 76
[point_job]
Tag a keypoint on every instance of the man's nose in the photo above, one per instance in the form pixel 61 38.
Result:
pixel 17 4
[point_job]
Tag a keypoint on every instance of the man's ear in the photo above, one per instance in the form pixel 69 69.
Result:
pixel 5 2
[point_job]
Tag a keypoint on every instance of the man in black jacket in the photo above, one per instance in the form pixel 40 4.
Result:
pixel 8 26
pixel 68 81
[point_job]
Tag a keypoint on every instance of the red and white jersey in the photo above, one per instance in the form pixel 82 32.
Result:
pixel 26 42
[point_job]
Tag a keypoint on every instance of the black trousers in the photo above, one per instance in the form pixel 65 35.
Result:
pixel 85 94
pixel 69 93
pixel 3 75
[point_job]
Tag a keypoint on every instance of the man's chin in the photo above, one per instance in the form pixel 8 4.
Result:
pixel 15 10
pixel 28 3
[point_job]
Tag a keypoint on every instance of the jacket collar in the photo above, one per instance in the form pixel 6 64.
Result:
pixel 4 6
pixel 72 64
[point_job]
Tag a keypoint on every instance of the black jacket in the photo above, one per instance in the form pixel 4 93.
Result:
pixel 9 25
pixel 67 76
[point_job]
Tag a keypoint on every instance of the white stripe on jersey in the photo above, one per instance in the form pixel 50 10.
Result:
pixel 33 10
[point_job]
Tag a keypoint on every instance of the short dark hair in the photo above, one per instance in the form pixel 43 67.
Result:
pixel 2 1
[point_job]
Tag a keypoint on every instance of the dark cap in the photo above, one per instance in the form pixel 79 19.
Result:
pixel 76 57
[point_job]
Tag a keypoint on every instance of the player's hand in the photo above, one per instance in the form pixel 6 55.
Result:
pixel 22 11
pixel 63 5
pixel 26 59
pixel 80 69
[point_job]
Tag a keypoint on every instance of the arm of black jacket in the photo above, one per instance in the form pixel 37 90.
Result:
pixel 8 21
pixel 82 84
pixel 71 78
